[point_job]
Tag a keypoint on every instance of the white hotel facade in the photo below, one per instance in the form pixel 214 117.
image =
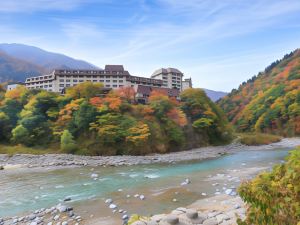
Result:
pixel 113 76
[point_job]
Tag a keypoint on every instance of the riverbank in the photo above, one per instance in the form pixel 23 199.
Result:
pixel 68 160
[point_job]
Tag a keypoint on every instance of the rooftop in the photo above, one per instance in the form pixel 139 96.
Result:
pixel 166 71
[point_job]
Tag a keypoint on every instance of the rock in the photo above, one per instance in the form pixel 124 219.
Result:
pixel 125 217
pixel 186 182
pixel 31 217
pixel 94 175
pixel 228 191
pixel 56 217
pixel 174 200
pixel 210 221
pixel 237 206
pixel 50 223
pixel 108 201
pixel 67 199
pixel 194 217
pixel 64 223
pixel 71 214
pixel 221 217
pixel 61 208
pixel 136 195
pixel 128 196
pixel 142 197
pixel 112 206
pixel 171 219
pixel 1 168
pixel 203 194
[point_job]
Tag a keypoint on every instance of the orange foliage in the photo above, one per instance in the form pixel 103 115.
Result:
pixel 127 93
pixel 177 116
pixel 96 101
pixel 16 93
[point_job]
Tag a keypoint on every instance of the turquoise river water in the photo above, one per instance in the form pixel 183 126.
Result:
pixel 22 191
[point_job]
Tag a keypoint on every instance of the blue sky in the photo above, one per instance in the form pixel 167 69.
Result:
pixel 219 43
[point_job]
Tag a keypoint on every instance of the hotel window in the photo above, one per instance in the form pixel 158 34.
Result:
pixel 120 81
pixel 80 80
pixel 115 81
pixel 115 85
pixel 67 85
pixel 107 81
pixel 61 80
pixel 61 85
pixel 88 80
pixel 45 86
pixel 107 85
pixel 94 76
pixel 68 80
pixel 94 80
pixel 75 80
pixel 101 80
pixel 121 85
pixel 50 85
pixel 107 76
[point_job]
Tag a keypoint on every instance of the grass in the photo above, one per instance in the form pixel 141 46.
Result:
pixel 258 138
pixel 20 149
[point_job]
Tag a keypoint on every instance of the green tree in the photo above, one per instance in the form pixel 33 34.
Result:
pixel 20 135
pixel 67 142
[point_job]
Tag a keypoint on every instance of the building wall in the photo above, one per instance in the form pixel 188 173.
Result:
pixel 61 79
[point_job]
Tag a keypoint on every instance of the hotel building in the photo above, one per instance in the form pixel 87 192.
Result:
pixel 113 76
pixel 171 77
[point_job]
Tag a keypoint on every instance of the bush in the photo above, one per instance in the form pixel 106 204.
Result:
pixel 67 142
pixel 258 139
pixel 274 197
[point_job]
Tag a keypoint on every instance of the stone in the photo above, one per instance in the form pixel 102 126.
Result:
pixel 221 217
pixel 94 175
pixel 64 223
pixel 50 223
pixel 61 208
pixel 108 201
pixel 194 217
pixel 138 223
pixel 67 199
pixel 210 221
pixel 228 191
pixel 142 197
pixel 125 217
pixel 56 217
pixel 112 206
pixel 171 219
pixel 31 217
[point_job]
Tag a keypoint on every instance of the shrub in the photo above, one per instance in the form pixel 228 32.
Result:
pixel 67 142
pixel 258 139
pixel 274 197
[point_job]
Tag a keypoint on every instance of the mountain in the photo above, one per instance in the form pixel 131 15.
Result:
pixel 16 69
pixel 214 95
pixel 36 57
pixel 270 101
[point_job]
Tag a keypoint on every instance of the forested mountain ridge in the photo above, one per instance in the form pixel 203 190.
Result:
pixel 270 101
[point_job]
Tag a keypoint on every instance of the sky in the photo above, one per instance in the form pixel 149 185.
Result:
pixel 219 43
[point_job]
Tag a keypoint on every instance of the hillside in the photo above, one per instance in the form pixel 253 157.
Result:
pixel 16 69
pixel 270 101
pixel 35 58
pixel 82 122
pixel 214 95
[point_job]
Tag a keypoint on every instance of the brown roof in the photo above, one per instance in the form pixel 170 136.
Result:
pixel 146 90
pixel 118 68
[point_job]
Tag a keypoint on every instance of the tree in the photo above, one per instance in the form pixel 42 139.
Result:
pixel 84 90
pixel 274 197
pixel 20 135
pixel 67 142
